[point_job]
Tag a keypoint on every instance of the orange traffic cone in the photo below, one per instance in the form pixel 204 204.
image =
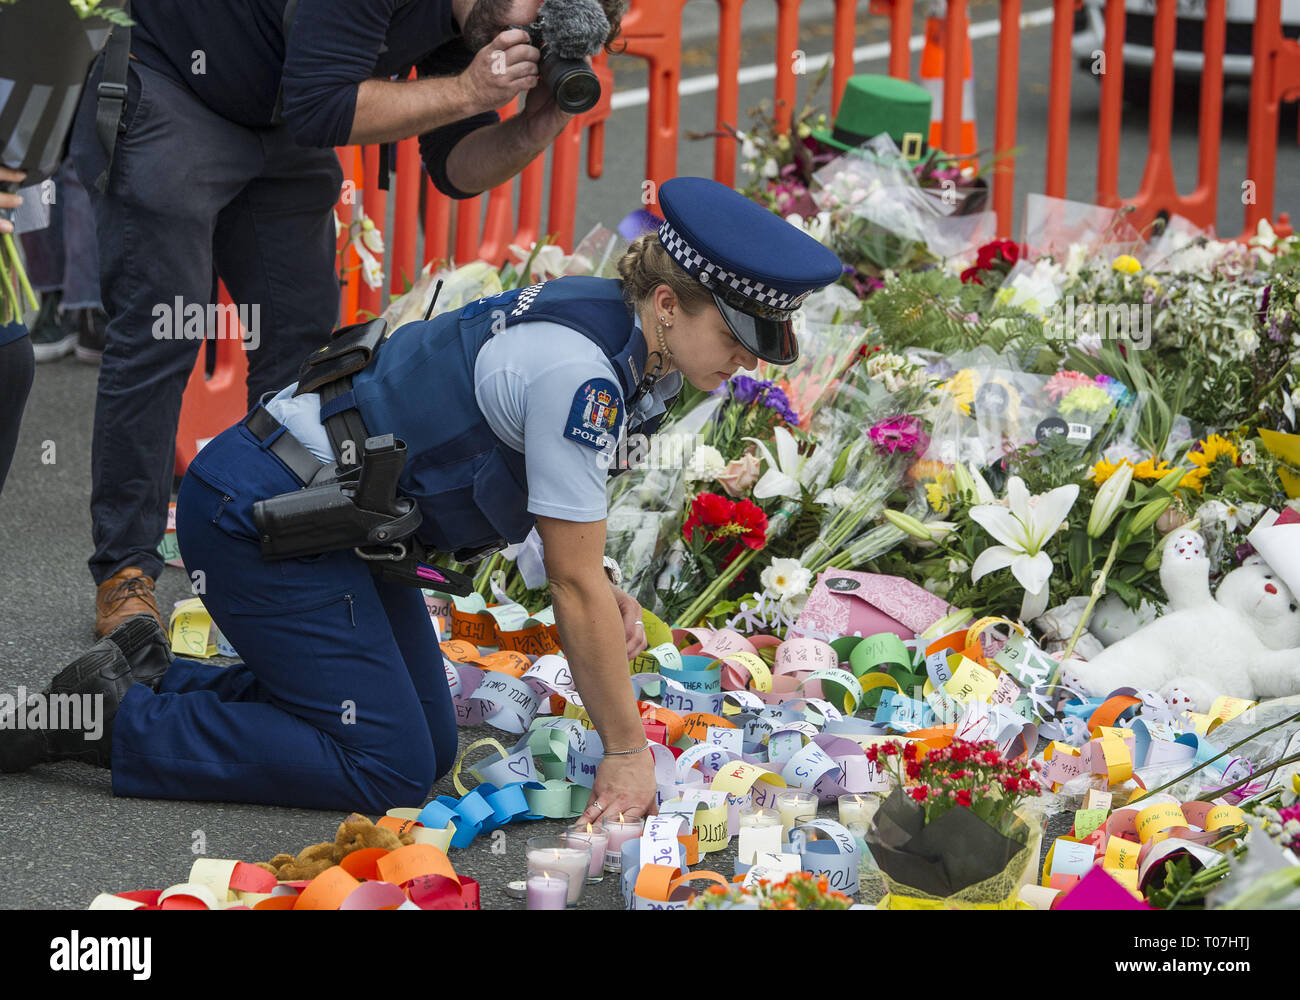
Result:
pixel 932 56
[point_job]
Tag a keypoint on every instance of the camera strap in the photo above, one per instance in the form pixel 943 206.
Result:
pixel 112 94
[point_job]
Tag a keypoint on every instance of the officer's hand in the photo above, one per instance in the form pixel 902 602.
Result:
pixel 9 200
pixel 500 70
pixel 633 626
pixel 623 785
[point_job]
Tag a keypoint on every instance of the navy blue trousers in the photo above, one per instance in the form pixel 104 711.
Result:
pixel 342 700
pixel 190 194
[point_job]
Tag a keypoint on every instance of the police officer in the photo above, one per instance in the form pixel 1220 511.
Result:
pixel 509 410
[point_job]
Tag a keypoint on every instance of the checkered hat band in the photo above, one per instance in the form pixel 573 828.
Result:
pixel 753 293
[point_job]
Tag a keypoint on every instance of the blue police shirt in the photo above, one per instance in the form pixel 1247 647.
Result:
pixel 335 44
pixel 526 379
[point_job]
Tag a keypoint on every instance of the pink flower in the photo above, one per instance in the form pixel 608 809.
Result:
pixel 740 475
pixel 899 434
pixel 1062 383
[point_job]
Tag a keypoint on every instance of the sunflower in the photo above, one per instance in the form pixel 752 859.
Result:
pixel 1151 469
pixel 1209 451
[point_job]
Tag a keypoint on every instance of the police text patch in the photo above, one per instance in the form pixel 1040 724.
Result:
pixel 596 414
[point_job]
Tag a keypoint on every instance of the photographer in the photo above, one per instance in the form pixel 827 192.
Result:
pixel 208 152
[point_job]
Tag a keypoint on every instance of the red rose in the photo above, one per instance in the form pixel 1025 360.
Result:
pixel 909 751
pixel 963 797
pixel 971 274
pixel 913 770
pixel 919 793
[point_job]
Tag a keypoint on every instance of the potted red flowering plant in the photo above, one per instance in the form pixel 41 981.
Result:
pixel 955 832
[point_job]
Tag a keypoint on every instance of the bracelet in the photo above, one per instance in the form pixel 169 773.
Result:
pixel 626 753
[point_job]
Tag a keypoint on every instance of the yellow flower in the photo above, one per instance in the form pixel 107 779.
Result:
pixel 1149 469
pixel 1127 264
pixel 1194 480
pixel 937 497
pixel 962 388
pixel 1212 449
pixel 1151 282
pixel 1103 470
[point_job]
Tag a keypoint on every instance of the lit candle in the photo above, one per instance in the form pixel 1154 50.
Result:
pixel 548 890
pixel 619 832
pixel 858 809
pixel 760 817
pixel 561 854
pixel 795 807
pixel 597 839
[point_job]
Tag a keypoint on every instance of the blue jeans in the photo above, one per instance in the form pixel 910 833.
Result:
pixel 191 193
pixel 342 700
pixel 64 255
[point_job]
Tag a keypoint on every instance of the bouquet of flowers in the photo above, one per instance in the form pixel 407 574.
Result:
pixel 954 832
pixel 800 891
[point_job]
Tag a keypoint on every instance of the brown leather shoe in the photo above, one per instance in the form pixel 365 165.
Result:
pixel 126 593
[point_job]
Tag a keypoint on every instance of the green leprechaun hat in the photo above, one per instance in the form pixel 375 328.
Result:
pixel 873 104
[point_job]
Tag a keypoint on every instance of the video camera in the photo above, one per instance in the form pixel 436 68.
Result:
pixel 567 32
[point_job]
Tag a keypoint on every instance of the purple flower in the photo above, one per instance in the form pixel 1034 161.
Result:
pixel 745 389
pixel 638 223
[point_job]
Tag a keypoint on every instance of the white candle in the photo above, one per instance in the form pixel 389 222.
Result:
pixel 760 818
pixel 548 891
pixel 572 861
pixel 858 809
pixel 795 808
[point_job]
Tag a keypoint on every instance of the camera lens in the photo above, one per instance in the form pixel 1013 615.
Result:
pixel 572 83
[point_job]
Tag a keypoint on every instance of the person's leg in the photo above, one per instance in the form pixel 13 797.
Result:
pixel 341 726
pixel 16 370
pixel 275 250
pixel 175 166
pixel 81 252
pixel 233 683
pixel 409 617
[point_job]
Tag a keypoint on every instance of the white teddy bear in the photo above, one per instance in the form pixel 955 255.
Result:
pixel 1243 642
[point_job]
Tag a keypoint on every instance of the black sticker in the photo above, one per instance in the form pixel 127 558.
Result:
pixel 1049 428
pixel 842 583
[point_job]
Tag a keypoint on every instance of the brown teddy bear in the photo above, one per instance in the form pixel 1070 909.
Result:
pixel 354 833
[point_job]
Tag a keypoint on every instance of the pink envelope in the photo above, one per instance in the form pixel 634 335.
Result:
pixel 845 603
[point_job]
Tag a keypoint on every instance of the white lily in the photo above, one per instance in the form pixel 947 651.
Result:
pixel 372 270
pixel 782 476
pixel 1023 529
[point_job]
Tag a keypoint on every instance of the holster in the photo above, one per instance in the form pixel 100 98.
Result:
pixel 361 513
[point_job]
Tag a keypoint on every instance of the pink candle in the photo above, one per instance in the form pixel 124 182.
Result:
pixel 619 832
pixel 548 891
pixel 599 840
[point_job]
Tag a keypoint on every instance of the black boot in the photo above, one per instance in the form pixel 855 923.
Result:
pixel 137 651
pixel 146 648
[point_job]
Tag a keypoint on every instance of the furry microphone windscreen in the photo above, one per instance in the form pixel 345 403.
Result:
pixel 574 29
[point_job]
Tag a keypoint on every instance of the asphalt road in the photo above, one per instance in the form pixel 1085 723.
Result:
pixel 64 837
